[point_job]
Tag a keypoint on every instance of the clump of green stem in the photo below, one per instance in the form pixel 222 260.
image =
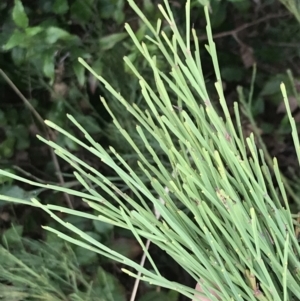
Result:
pixel 223 216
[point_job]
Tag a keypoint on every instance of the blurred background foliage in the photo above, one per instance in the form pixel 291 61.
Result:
pixel 40 42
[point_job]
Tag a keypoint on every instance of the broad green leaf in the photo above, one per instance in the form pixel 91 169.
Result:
pixel 141 32
pixel 18 14
pixel 16 39
pixel 32 31
pixel 15 191
pixel 4 179
pixel 101 227
pixel 54 241
pixel 119 14
pixel 111 40
pixel 53 34
pixel 107 9
pixel 77 221
pixel 219 13
pixel 98 65
pixel 85 257
pixel 232 74
pixel 89 123
pixel 68 143
pixel 60 7
pixel 242 5
pixel 3 119
pixel 45 6
pixel 258 106
pixel 173 295
pixel 7 147
pixel 20 133
pixel 79 71
pixel 48 66
pixel 18 55
pixel 272 86
pixel 81 10
pixel 148 6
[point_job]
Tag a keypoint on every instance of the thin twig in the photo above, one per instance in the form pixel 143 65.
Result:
pixel 137 280
pixel 244 26
pixel 285 45
pixel 29 175
pixel 148 242
pixel 48 132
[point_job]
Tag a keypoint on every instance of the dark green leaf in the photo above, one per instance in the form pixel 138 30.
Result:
pixel 12 236
pixel 16 39
pixel 77 221
pixel 258 106
pixel 219 13
pixel 79 71
pixel 107 9
pixel 55 33
pixel 32 31
pixel 60 7
pixel 159 296
pixel 173 295
pixel 101 227
pixel 118 14
pixel 4 179
pixel 3 119
pixel 89 123
pixel 7 147
pixel 232 73
pixel 70 144
pixel 85 257
pixel 109 286
pixel 272 86
pixel 148 6
pixel 54 241
pixel 18 55
pixel 242 5
pixel 15 191
pixel 111 40
pixel 19 16
pixel 48 66
pixel 267 128
pixel 81 10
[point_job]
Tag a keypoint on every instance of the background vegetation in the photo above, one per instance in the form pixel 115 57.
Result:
pixel 42 79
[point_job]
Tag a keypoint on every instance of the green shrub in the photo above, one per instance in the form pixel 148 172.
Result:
pixel 31 270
